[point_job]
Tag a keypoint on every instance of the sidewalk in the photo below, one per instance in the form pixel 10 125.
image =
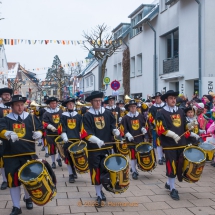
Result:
pixel 146 196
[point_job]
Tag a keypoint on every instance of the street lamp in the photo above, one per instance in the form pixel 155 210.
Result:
pixel 101 61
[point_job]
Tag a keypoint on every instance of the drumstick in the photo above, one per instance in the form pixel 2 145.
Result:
pixel 32 115
pixel 27 140
pixel 138 135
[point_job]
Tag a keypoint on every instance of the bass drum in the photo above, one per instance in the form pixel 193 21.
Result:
pixel 209 149
pixel 116 179
pixel 146 160
pixel 79 154
pixel 194 162
pixel 39 180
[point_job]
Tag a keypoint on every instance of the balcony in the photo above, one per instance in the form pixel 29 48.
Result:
pixel 171 65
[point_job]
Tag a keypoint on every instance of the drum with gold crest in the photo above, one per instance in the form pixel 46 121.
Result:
pixel 146 160
pixel 60 143
pixel 79 154
pixel 209 149
pixel 117 168
pixel 121 147
pixel 194 162
pixel 39 180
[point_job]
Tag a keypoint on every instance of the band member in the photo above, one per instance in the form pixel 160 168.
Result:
pixel 171 127
pixel 17 128
pixel 99 125
pixel 51 122
pixel 5 94
pixel 121 105
pixel 71 126
pixel 158 105
pixel 133 124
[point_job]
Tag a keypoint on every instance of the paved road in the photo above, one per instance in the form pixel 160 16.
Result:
pixel 146 196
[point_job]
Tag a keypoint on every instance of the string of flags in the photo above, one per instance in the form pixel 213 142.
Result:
pixel 14 42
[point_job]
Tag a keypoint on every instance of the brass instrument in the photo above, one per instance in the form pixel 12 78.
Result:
pixel 127 99
pixel 34 104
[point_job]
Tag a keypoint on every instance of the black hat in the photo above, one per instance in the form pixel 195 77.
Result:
pixel 16 98
pixel 169 93
pixel 51 99
pixel 6 90
pixel 131 102
pixel 209 97
pixel 109 98
pixel 93 95
pixel 120 102
pixel 188 109
pixel 46 97
pixel 179 100
pixel 156 94
pixel 147 100
pixel 70 99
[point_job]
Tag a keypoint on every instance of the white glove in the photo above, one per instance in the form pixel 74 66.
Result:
pixel 115 132
pixel 11 135
pixel 122 108
pixel 202 131
pixel 173 135
pixel 129 136
pixel 120 119
pixel 190 126
pixel 64 137
pixel 37 135
pixel 195 122
pixel 97 141
pixel 194 135
pixel 37 108
pixel 143 130
pixel 51 127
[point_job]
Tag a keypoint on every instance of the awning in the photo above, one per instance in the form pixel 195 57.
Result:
pixel 150 16
pixel 171 77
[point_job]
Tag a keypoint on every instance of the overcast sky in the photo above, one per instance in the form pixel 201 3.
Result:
pixel 57 20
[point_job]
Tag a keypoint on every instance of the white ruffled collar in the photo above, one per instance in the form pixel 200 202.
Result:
pixel 133 115
pixel 96 112
pixel 111 107
pixel 70 114
pixel 14 116
pixel 159 105
pixel 50 110
pixel 170 109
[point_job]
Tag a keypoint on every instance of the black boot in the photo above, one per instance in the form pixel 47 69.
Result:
pixel 134 175
pixel 160 162
pixel 53 165
pixel 163 159
pixel 39 144
pixel 29 203
pixel 46 155
pixel 59 162
pixel 16 211
pixel 98 202
pixel 43 148
pixel 4 185
pixel 174 194
pixel 71 178
pixel 103 196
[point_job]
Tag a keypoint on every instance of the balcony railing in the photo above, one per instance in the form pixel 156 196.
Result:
pixel 171 65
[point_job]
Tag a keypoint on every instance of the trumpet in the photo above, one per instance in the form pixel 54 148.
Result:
pixel 127 99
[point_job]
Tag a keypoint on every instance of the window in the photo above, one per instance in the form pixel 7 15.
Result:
pixel 119 73
pixel 163 5
pixel 91 80
pixel 54 92
pixel 139 64
pixel 172 44
pixel 49 92
pixel 132 70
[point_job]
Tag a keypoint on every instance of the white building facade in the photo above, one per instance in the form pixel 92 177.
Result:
pixel 3 68
pixel 176 65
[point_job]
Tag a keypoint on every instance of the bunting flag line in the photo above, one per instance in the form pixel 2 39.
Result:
pixel 13 42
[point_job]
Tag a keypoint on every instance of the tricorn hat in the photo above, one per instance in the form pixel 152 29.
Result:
pixel 16 98
pixel 70 99
pixel 156 94
pixel 131 102
pixel 6 90
pixel 51 99
pixel 169 93
pixel 93 95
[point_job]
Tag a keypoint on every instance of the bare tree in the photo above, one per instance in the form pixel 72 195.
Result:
pixel 100 37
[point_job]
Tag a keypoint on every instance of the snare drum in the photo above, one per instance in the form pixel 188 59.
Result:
pixel 194 162
pixel 59 143
pixel 39 180
pixel 79 154
pixel 146 160
pixel 118 168
pixel 122 148
pixel 209 149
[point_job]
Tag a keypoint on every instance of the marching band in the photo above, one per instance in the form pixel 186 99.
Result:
pixel 104 137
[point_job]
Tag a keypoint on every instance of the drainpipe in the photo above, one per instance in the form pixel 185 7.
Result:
pixel 155 66
pixel 200 47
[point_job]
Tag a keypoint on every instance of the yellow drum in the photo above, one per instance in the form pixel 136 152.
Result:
pixel 194 162
pixel 145 155
pixel 118 168
pixel 209 149
pixel 79 154
pixel 122 148
pixel 59 143
pixel 39 180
